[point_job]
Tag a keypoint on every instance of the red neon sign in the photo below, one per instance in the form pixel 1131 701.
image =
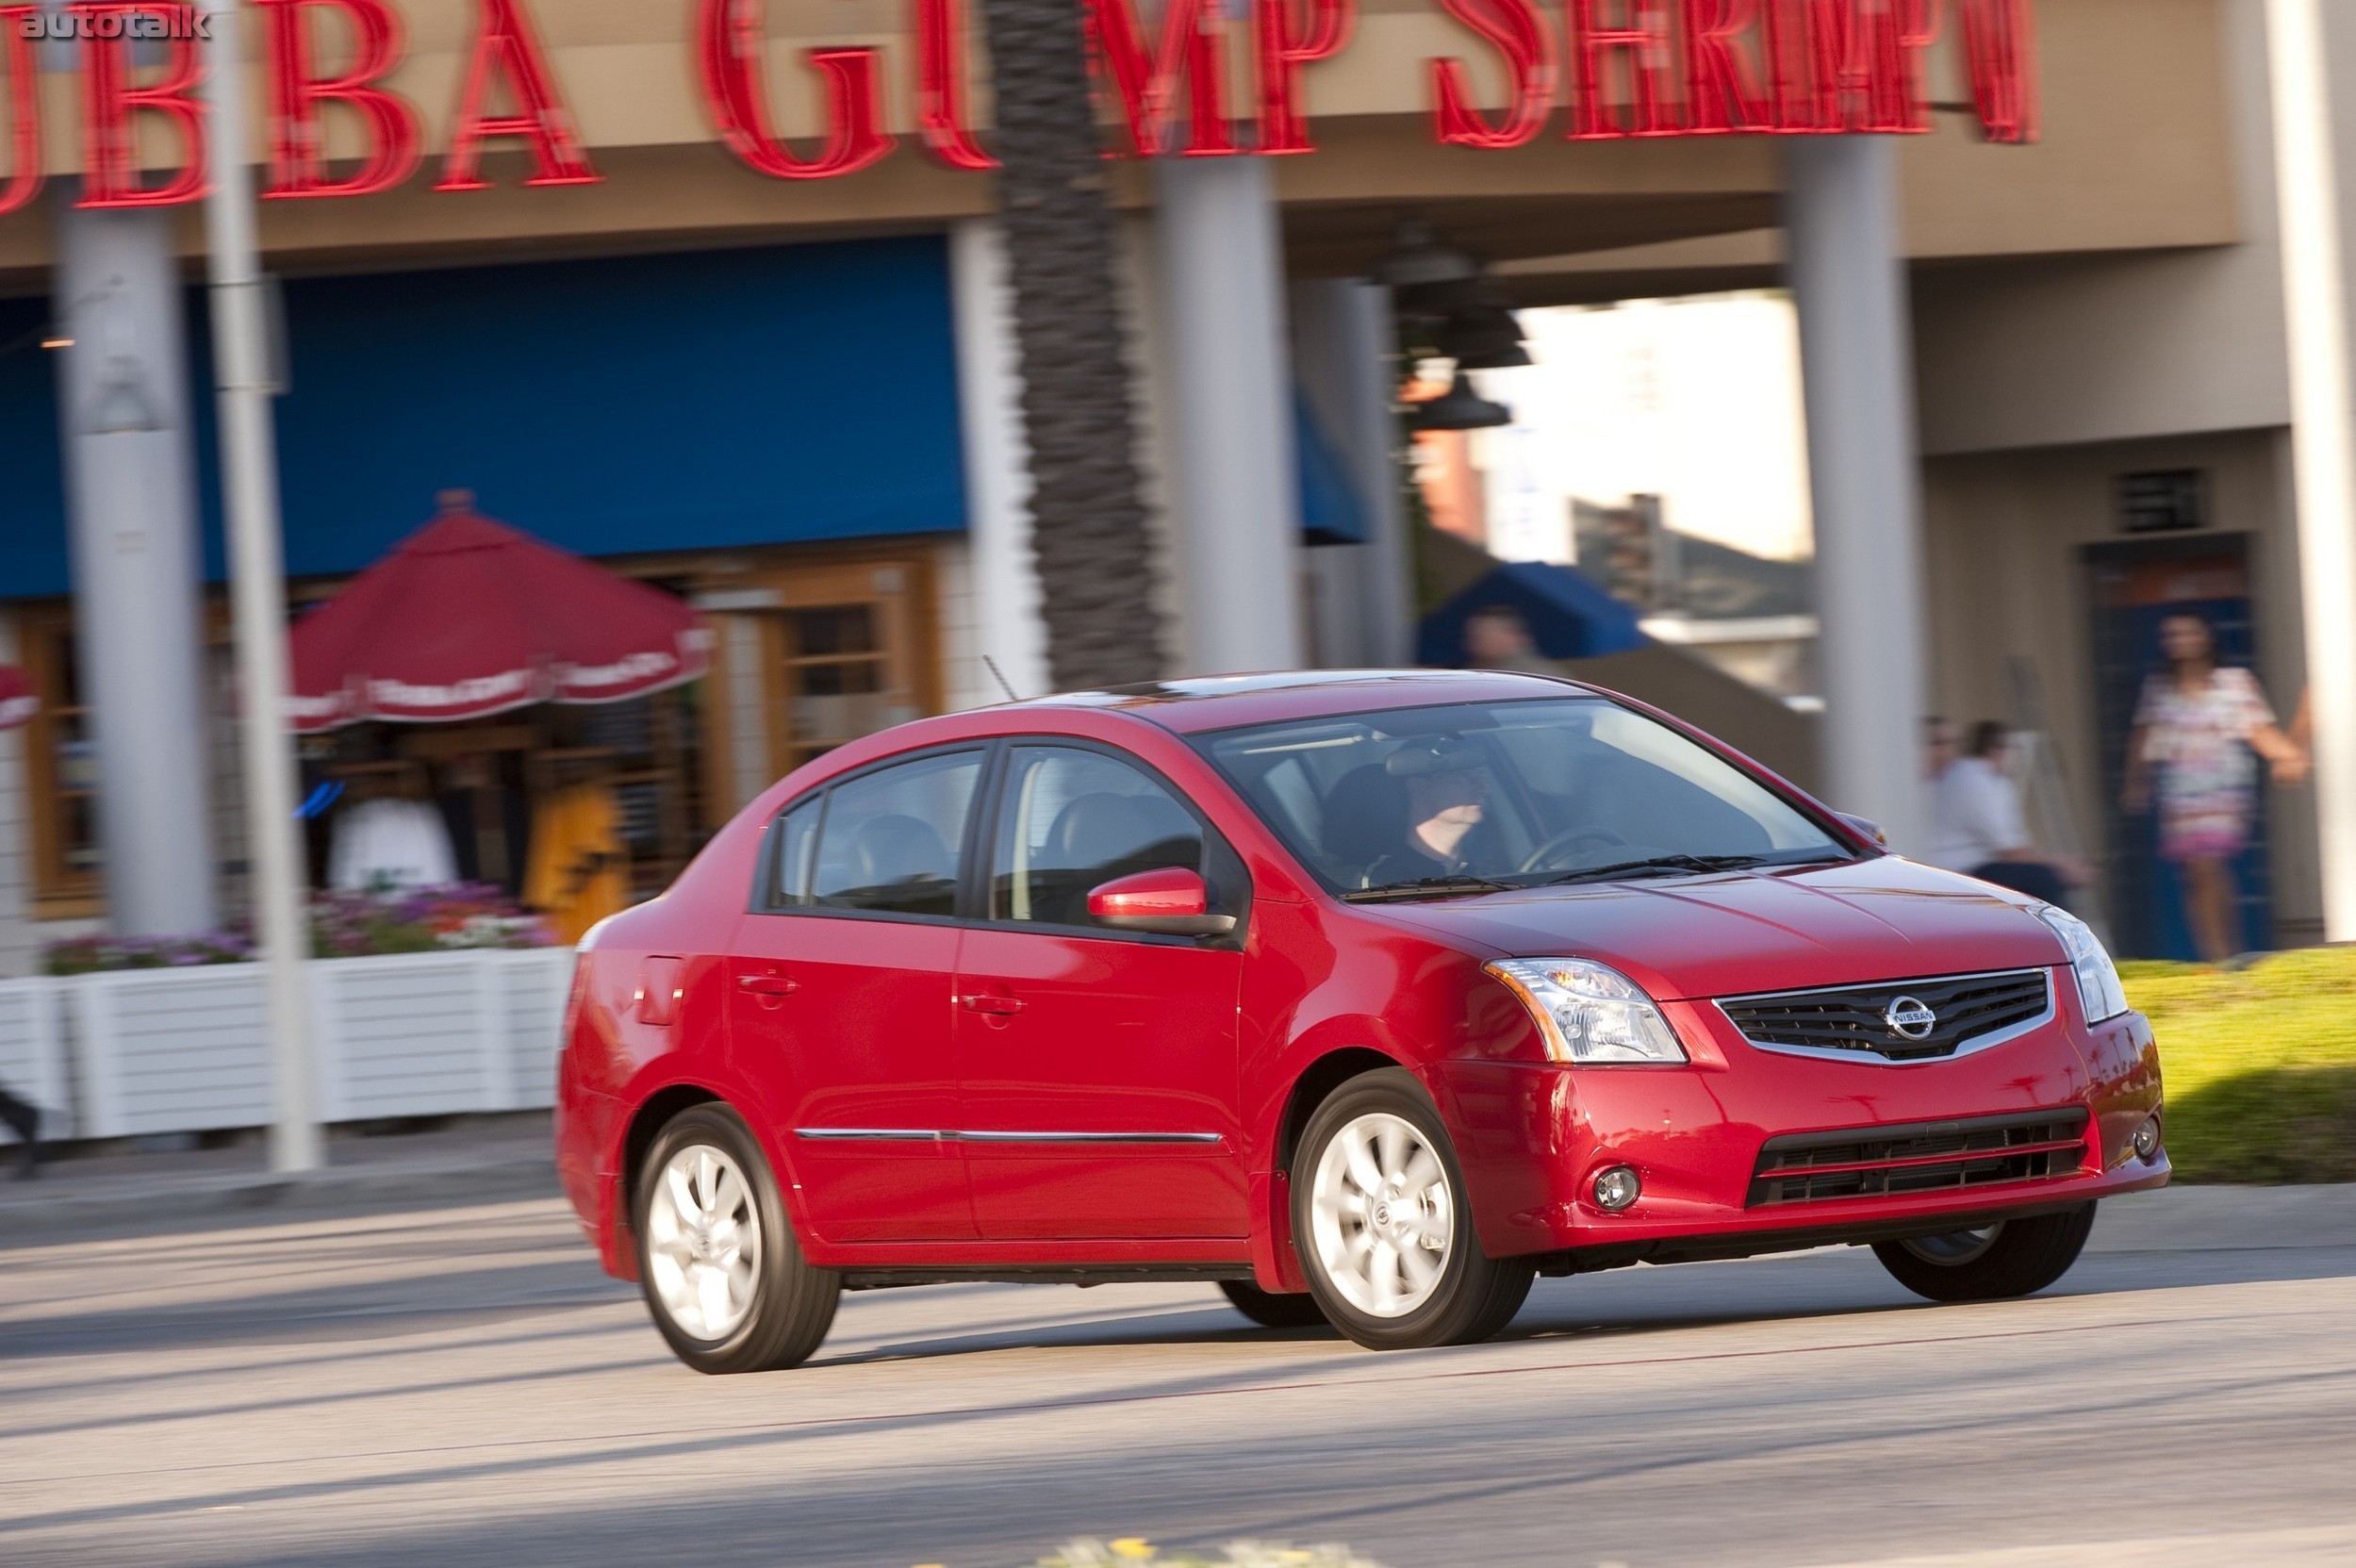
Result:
pixel 298 159
pixel 503 46
pixel 1283 127
pixel 1640 41
pixel 24 173
pixel 1635 68
pixel 110 107
pixel 2002 47
pixel 1146 83
pixel 941 85
pixel 731 37
pixel 1516 30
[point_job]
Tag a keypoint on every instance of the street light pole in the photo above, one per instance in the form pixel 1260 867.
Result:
pixel 249 467
pixel 2323 425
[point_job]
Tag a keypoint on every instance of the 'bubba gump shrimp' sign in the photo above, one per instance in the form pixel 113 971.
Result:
pixel 1633 68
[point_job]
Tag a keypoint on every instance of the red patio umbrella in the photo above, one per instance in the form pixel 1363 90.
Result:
pixel 17 703
pixel 468 617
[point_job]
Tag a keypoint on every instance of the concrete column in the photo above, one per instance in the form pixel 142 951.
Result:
pixel 1009 626
pixel 130 479
pixel 2322 413
pixel 1345 353
pixel 1847 276
pixel 1221 277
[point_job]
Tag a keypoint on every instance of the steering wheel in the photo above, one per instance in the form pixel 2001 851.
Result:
pixel 1542 858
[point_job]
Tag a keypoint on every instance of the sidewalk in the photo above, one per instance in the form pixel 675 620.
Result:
pixel 482 1159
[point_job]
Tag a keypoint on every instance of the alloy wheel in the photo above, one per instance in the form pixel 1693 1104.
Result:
pixel 704 1236
pixel 1383 1217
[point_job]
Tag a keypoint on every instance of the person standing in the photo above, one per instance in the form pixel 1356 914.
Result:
pixel 1978 827
pixel 23 1119
pixel 2191 753
pixel 1938 748
pixel 1497 637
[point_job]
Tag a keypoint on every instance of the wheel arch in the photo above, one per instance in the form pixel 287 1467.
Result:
pixel 1314 1084
pixel 653 1115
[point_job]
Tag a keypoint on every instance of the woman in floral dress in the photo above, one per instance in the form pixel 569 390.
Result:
pixel 2196 730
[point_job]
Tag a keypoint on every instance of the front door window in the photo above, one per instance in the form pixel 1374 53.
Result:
pixel 1072 820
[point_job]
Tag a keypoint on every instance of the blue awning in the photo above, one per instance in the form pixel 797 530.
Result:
pixel 615 406
pixel 1568 615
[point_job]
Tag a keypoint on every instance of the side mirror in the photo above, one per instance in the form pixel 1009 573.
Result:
pixel 1865 828
pixel 1172 901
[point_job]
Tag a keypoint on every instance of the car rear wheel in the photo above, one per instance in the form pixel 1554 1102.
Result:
pixel 1378 1217
pixel 1272 1310
pixel 2014 1257
pixel 727 1284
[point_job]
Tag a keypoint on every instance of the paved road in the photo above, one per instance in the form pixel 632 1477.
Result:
pixel 447 1388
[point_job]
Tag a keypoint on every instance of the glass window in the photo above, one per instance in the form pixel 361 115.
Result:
pixel 793 842
pixel 1071 820
pixel 1514 792
pixel 62 772
pixel 890 840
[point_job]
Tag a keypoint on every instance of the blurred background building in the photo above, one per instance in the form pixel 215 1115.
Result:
pixel 791 400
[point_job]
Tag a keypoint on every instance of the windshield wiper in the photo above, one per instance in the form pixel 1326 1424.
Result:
pixel 1661 864
pixel 1427 887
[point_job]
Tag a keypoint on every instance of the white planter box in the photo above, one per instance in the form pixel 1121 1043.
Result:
pixel 170 1051
pixel 410 1034
pixel 537 983
pixel 32 1053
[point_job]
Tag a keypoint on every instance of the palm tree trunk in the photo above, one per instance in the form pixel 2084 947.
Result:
pixel 1087 505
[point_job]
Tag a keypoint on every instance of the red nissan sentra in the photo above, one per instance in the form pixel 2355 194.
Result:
pixel 1369 996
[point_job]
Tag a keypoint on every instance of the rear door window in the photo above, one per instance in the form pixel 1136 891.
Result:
pixel 889 842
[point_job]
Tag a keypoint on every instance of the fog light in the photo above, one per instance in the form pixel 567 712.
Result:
pixel 2146 1140
pixel 1616 1188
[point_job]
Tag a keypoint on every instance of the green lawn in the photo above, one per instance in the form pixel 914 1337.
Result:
pixel 2259 1064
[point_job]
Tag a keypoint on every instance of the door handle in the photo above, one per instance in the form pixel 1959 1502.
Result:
pixel 1001 1006
pixel 767 986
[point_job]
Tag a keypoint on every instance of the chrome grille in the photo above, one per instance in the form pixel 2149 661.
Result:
pixel 1972 1012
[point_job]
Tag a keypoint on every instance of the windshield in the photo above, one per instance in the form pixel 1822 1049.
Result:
pixel 1418 802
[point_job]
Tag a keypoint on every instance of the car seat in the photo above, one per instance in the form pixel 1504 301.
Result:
pixel 896 850
pixel 1365 819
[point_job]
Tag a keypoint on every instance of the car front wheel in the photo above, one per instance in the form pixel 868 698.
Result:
pixel 1378 1217
pixel 727 1284
pixel 2014 1257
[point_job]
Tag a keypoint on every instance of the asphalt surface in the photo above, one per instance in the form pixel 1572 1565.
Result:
pixel 448 1387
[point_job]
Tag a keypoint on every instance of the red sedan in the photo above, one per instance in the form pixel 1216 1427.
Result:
pixel 1368 996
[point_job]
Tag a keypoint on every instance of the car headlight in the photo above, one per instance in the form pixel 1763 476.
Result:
pixel 2099 990
pixel 1587 1012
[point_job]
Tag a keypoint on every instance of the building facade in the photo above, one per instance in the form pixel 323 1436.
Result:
pixel 714 295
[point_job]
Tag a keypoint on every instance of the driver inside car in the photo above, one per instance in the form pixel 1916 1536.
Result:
pixel 1447 788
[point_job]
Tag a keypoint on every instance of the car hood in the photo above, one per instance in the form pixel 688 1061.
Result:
pixel 1724 934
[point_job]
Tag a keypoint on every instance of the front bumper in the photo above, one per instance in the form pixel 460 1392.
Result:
pixel 1532 1138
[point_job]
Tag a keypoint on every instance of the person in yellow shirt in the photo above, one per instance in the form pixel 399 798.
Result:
pixel 578 871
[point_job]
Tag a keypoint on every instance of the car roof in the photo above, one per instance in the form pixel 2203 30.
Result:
pixel 1193 704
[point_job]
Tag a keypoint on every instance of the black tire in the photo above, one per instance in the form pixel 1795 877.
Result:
pixel 1272 1310
pixel 792 1303
pixel 1475 1295
pixel 2016 1257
